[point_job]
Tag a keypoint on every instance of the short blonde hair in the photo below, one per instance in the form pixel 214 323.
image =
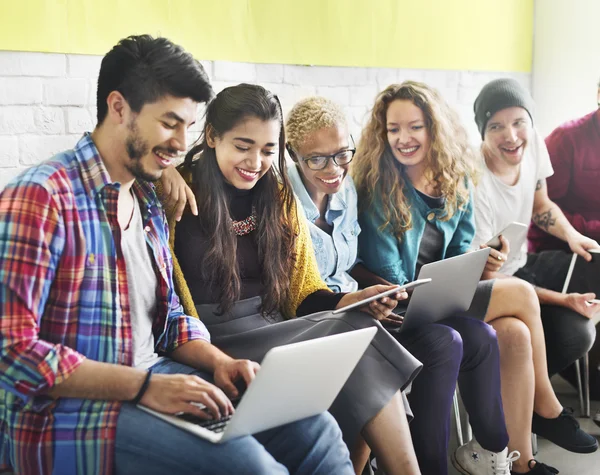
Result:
pixel 309 115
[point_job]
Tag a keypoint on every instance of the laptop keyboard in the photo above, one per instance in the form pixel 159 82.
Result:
pixel 212 425
pixel 216 426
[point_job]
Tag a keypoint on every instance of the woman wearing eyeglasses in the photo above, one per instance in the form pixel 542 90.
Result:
pixel 322 149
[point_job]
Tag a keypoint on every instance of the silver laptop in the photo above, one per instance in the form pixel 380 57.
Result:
pixel 453 284
pixel 295 381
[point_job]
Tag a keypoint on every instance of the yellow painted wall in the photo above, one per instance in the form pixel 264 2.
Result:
pixel 420 34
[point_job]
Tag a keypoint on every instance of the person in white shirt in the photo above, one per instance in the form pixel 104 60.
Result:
pixel 512 188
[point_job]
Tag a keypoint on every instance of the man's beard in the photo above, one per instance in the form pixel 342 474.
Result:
pixel 136 148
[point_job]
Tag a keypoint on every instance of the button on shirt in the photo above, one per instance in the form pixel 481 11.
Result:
pixel 63 298
pixel 336 253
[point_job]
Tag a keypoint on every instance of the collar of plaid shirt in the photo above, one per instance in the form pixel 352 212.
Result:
pixel 63 298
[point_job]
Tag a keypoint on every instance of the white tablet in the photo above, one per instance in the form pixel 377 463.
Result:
pixel 514 233
pixel 396 289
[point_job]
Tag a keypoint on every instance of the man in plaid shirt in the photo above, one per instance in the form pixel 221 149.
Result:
pixel 90 324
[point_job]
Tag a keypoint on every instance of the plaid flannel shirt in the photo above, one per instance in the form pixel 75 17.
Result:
pixel 63 298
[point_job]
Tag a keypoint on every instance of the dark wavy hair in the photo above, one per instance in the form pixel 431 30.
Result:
pixel 273 200
pixel 145 69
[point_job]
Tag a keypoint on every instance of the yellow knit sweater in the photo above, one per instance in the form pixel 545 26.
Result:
pixel 305 278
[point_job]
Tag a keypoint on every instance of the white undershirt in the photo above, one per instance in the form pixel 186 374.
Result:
pixel 142 284
pixel 498 204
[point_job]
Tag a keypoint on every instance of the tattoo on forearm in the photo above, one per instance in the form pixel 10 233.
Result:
pixel 539 185
pixel 544 220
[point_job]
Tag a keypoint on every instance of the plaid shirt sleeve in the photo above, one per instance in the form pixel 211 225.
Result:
pixel 31 239
pixel 180 328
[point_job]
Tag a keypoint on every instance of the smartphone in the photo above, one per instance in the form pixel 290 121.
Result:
pixel 514 233
pixel 399 288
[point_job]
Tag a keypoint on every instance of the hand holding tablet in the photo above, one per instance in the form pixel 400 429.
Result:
pixel 399 288
pixel 514 233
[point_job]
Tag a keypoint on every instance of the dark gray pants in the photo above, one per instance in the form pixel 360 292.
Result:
pixel 569 335
pixel 385 368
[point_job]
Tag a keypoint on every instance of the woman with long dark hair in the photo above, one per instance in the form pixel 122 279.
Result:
pixel 246 266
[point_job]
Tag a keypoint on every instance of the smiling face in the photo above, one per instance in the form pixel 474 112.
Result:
pixel 246 152
pixel 407 133
pixel 157 135
pixel 322 142
pixel 506 135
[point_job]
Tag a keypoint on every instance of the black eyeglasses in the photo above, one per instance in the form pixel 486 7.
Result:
pixel 320 162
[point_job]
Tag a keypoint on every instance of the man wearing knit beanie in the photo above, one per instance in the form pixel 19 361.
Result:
pixel 497 95
pixel 513 189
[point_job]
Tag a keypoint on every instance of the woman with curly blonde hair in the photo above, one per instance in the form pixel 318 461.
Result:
pixel 405 176
pixel 414 171
pixel 450 163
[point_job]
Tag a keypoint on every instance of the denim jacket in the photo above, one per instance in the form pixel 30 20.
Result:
pixel 336 253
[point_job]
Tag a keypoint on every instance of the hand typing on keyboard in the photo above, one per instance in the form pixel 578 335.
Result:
pixel 234 402
pixel 175 393
pixel 215 425
pixel 212 425
pixel 229 372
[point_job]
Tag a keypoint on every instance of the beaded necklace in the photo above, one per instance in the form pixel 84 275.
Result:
pixel 245 226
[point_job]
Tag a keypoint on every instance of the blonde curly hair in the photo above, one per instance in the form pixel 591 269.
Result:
pixel 309 115
pixel 451 160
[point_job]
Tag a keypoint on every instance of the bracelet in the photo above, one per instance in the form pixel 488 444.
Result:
pixel 138 397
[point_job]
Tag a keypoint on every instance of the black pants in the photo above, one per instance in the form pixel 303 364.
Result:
pixel 463 349
pixel 568 334
pixel 570 375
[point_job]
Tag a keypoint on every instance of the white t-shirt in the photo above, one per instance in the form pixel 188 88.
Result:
pixel 497 204
pixel 142 286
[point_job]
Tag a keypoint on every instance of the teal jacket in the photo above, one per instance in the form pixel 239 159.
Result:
pixel 396 260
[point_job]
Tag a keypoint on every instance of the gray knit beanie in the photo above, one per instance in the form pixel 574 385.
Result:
pixel 497 95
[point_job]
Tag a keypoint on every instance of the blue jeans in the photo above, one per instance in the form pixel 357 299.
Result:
pixel 148 445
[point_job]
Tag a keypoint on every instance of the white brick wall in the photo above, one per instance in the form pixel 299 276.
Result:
pixel 48 100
